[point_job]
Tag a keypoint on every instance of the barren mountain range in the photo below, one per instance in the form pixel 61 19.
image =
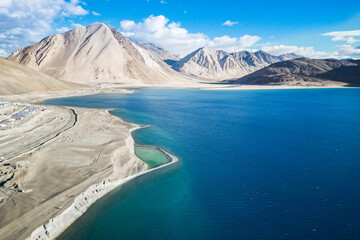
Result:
pixel 305 72
pixel 220 65
pixel 100 54
pixel 93 54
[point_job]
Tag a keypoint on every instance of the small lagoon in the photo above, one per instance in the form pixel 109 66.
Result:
pixel 152 156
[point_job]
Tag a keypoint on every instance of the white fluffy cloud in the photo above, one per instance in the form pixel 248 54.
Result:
pixel 23 22
pixel 72 8
pixel 349 50
pixel 65 29
pixel 62 30
pixel 345 51
pixel 229 23
pixel 303 51
pixel 95 13
pixel 343 33
pixel 172 37
pixel 346 36
pixel 233 44
pixel 76 25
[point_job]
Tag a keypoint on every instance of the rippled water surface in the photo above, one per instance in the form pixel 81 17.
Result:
pixel 259 164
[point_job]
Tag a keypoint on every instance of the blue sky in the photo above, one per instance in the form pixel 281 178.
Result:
pixel 182 26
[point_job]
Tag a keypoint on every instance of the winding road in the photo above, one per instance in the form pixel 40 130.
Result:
pixel 39 142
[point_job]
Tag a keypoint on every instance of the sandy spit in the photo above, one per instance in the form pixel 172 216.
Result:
pixel 57 225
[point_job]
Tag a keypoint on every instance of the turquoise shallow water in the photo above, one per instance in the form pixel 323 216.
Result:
pixel 152 156
pixel 259 164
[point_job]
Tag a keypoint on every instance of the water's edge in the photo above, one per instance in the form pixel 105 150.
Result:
pixel 256 165
pixel 57 225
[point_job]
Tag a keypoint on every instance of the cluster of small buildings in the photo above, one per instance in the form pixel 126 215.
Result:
pixel 28 110
pixel 3 104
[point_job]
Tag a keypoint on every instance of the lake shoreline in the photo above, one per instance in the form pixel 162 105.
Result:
pixel 56 226
pixel 108 186
pixel 49 218
pixel 129 90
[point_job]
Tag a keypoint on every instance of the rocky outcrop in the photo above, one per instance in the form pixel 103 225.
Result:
pixel 7 186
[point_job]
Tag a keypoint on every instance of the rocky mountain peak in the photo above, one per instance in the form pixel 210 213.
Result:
pixel 97 53
pixel 219 64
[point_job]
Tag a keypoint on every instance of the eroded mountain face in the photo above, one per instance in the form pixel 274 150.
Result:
pixel 220 65
pixel 97 53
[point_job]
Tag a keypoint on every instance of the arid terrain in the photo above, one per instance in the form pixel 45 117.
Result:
pixel 45 180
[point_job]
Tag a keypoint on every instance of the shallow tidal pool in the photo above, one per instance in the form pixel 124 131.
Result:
pixel 152 156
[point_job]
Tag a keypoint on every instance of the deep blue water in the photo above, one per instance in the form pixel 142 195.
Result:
pixel 259 164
